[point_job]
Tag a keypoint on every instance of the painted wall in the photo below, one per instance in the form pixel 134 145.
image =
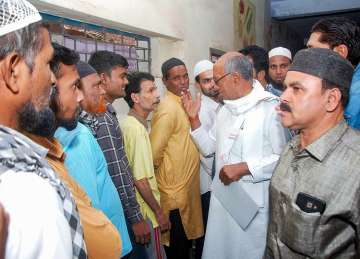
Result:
pixel 186 29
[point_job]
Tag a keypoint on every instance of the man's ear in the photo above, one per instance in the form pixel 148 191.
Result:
pixel 236 77
pixel 11 70
pixel 135 98
pixel 197 85
pixel 164 80
pixel 343 50
pixel 333 99
pixel 103 79
pixel 261 76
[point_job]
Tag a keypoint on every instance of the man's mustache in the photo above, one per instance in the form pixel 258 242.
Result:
pixel 285 107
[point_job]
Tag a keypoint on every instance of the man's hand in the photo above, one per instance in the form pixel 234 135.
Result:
pixel 232 173
pixel 163 221
pixel 4 223
pixel 192 108
pixel 142 232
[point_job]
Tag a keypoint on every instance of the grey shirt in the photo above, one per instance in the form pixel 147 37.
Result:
pixel 327 169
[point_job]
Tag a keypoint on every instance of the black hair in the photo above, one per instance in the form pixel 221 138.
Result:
pixel 258 55
pixel 104 61
pixel 134 86
pixel 339 30
pixel 169 64
pixel 62 55
pixel 197 79
pixel 27 42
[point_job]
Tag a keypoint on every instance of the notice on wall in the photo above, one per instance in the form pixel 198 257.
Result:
pixel 244 23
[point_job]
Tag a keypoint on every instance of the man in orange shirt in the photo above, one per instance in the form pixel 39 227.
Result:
pixel 101 237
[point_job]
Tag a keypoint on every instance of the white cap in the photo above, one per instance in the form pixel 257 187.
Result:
pixel 280 51
pixel 202 66
pixel 16 14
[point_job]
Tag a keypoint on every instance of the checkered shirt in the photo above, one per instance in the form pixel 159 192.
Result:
pixel 110 139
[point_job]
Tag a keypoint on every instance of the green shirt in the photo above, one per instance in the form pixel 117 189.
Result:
pixel 327 169
pixel 138 151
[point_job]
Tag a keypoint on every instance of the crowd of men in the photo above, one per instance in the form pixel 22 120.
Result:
pixel 264 162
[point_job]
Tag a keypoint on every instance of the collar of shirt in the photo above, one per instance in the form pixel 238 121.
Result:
pixel 173 96
pixel 209 102
pixel 110 109
pixel 243 104
pixel 139 118
pixel 54 147
pixel 323 145
pixel 22 139
pixel 89 120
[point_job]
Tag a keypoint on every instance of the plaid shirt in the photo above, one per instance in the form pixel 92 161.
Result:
pixel 20 154
pixel 111 142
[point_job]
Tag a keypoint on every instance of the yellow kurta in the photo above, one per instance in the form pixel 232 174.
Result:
pixel 101 237
pixel 138 151
pixel 176 162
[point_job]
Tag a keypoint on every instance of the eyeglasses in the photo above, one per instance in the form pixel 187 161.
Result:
pixel 218 80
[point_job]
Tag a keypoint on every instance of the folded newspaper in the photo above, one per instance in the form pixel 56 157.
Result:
pixel 236 201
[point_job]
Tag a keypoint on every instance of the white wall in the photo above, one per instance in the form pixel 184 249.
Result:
pixel 186 29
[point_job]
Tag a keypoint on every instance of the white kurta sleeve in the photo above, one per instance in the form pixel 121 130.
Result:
pixel 276 137
pixel 205 140
pixel 38 227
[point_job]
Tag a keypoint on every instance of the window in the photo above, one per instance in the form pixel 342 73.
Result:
pixel 86 38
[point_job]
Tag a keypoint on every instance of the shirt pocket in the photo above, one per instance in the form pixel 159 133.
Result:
pixel 299 228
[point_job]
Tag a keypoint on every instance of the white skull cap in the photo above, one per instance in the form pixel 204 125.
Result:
pixel 202 66
pixel 280 51
pixel 16 14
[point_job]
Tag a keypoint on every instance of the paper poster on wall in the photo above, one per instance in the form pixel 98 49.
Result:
pixel 244 15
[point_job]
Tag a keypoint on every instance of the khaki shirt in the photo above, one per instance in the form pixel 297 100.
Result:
pixel 176 162
pixel 101 237
pixel 327 169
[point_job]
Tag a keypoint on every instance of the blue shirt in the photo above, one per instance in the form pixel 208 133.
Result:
pixel 352 111
pixel 87 165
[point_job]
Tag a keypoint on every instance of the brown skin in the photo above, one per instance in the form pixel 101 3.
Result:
pixel 115 83
pixel 278 67
pixel 230 87
pixel 313 110
pixel 207 86
pixel 314 42
pixel 4 224
pixel 177 80
pixel 18 84
pixel 69 93
pixel 93 101
pixel 145 102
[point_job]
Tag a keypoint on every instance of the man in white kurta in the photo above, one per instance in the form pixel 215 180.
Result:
pixel 204 81
pixel 247 138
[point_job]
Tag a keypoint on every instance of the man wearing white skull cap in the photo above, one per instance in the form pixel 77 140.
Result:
pixel 279 62
pixel 44 222
pixel 203 73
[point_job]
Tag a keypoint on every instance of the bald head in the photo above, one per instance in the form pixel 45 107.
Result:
pixel 233 75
